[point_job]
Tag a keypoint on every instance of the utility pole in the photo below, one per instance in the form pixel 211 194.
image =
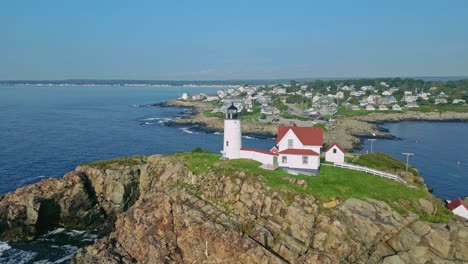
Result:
pixel 371 143
pixel 408 154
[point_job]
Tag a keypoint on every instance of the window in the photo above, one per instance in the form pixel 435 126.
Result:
pixel 227 143
pixel 284 159
pixel 334 151
pixel 305 159
pixel 290 143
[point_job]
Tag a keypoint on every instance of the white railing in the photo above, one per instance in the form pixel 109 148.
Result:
pixel 369 170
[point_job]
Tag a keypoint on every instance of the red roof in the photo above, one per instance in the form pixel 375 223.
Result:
pixel 259 151
pixel 306 152
pixel 309 136
pixel 457 202
pixel 334 144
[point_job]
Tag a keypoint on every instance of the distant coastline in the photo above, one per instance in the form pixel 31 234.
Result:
pixel 348 132
pixel 204 83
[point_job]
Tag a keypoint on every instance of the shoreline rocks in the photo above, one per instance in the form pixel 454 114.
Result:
pixel 160 211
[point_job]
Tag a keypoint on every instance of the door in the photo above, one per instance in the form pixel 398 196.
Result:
pixel 275 161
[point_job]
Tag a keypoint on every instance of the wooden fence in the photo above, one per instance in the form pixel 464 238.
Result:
pixel 368 170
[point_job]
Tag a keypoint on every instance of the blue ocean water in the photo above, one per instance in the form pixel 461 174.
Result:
pixel 48 130
pixel 440 153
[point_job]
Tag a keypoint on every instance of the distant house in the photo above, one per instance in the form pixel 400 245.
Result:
pixel 457 101
pixel 459 208
pixel 396 107
pixel 440 101
pixel 211 97
pixel 374 99
pixel 370 107
pixel 269 110
pixel 389 99
pixel 325 105
pixel 198 97
pixel 339 95
pixel 424 96
pixel 334 153
pixel 264 99
pixel 221 93
pixel 348 88
pixel 281 91
pixel 442 95
pixel 383 107
pixel 355 108
pixel 409 98
pixel 232 99
pixel 384 84
pixel 412 105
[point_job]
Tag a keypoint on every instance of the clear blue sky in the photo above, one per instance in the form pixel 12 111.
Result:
pixel 203 39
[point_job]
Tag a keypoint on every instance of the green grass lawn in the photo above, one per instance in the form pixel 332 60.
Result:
pixel 330 183
pixel 123 161
pixel 384 162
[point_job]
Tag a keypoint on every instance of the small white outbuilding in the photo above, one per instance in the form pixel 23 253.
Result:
pixel 334 153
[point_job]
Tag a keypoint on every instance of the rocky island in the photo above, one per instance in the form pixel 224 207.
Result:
pixel 193 207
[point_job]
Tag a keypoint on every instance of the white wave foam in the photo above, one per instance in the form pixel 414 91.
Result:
pixel 247 137
pixel 18 257
pixel 89 237
pixel 187 130
pixel 71 251
pixel 4 247
pixel 154 118
pixel 55 231
pixel 159 120
pixel 72 232
pixel 217 133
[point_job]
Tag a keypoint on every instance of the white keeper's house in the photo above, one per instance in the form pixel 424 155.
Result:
pixel 297 148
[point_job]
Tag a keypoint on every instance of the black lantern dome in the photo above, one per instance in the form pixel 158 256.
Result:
pixel 231 112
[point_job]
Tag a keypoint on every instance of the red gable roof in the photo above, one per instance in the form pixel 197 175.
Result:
pixel 259 151
pixel 306 152
pixel 309 136
pixel 334 144
pixel 457 202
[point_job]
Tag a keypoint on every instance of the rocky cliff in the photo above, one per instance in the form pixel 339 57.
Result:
pixel 160 210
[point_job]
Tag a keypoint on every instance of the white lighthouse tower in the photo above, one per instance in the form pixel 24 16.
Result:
pixel 232 134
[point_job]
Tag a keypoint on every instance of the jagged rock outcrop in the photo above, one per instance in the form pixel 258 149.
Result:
pixel 115 188
pixel 164 213
pixel 33 209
